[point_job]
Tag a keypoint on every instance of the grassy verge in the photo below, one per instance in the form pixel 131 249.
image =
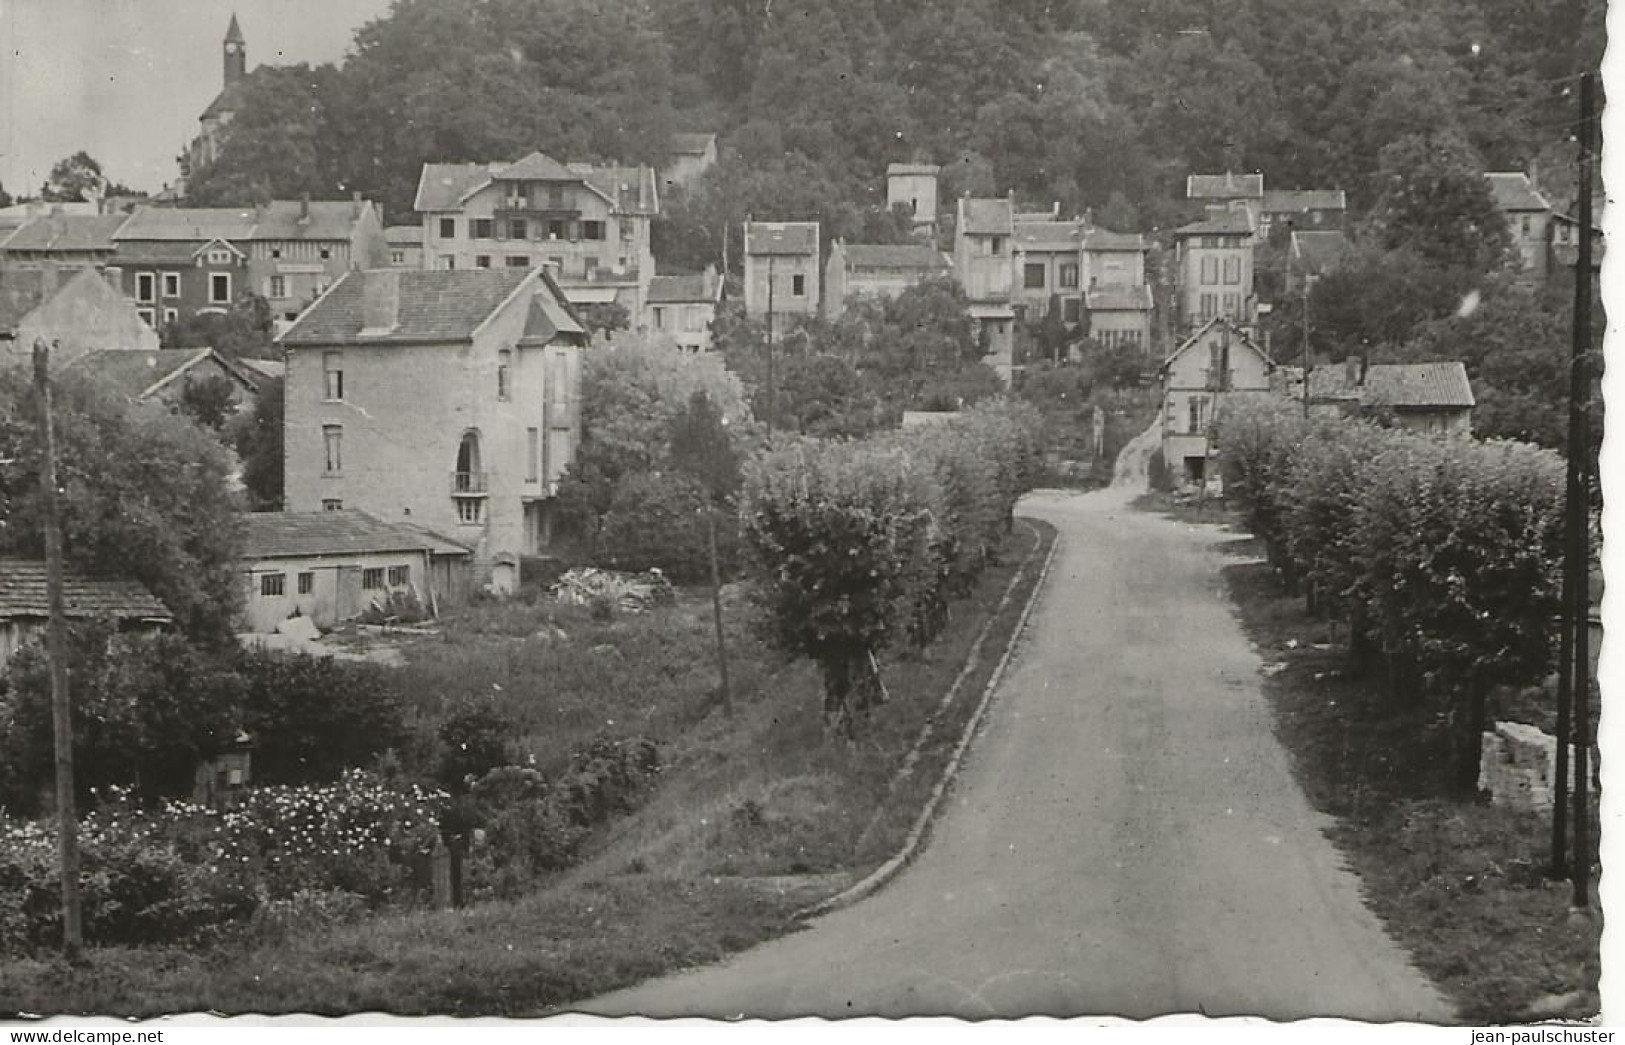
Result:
pixel 1461 885
pixel 756 817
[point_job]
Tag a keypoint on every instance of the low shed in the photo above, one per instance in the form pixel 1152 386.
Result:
pixel 25 606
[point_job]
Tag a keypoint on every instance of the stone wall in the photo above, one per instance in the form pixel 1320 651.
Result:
pixel 1518 766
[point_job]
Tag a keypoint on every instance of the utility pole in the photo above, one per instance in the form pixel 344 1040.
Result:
pixel 716 609
pixel 56 645
pixel 772 401
pixel 1307 358
pixel 1579 563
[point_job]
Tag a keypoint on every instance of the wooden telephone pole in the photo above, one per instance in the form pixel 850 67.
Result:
pixel 56 645
pixel 1579 557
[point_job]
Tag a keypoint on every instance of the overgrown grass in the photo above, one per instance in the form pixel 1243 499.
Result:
pixel 1461 885
pixel 757 815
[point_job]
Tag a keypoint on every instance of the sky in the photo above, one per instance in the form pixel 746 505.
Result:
pixel 125 80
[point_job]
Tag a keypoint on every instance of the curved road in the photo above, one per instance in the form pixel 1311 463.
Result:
pixel 1124 838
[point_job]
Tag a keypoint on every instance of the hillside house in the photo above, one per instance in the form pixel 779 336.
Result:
pixel 588 225
pixel 1225 189
pixel 1047 256
pixel 1432 398
pixel 682 307
pixel 74 311
pixel 984 243
pixel 914 185
pixel 444 399
pixel 1284 211
pixel 25 608
pixel 1528 216
pixel 689 157
pixel 1120 314
pixel 177 262
pixel 162 375
pixel 333 566
pixel 1211 366
pixel 782 269
pixel 1214 270
pixel 874 271
pixel 405 243
pixel 298 248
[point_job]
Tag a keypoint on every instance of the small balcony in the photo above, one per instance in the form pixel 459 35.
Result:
pixel 470 484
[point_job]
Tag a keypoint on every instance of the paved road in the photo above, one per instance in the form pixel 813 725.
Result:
pixel 1125 837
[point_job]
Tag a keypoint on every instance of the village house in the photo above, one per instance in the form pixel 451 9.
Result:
pixel 984 241
pixel 25 608
pixel 1208 368
pixel 1283 211
pixel 588 225
pixel 914 186
pixel 1431 398
pixel 1563 252
pixel 1047 256
pixel 1120 314
pixel 682 307
pixel 1528 216
pixel 405 244
pixel 1228 191
pixel 297 248
pixel 178 262
pixel 689 157
pixel 66 240
pixel 74 311
pixel 444 399
pixel 163 375
pixel 1214 269
pixel 875 271
pixel 1311 255
pixel 333 566
pixel 782 270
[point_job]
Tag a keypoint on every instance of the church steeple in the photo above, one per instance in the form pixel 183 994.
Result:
pixel 235 53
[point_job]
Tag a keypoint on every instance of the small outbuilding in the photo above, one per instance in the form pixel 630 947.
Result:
pixel 25 605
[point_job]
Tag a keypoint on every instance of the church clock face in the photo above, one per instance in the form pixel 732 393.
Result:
pixel 232 48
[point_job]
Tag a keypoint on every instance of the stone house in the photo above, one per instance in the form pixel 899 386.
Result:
pixel 914 185
pixel 1528 216
pixel 1214 270
pixel 588 225
pixel 861 270
pixel 1218 361
pixel 75 311
pixel 444 399
pixel 682 307
pixel 783 256
pixel 984 242
pixel 332 566
pixel 1431 398
pixel 25 608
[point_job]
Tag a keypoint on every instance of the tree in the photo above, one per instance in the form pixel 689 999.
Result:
pixel 5 197
pixel 210 402
pixel 604 319
pixel 1436 202
pixel 242 331
pixel 278 144
pixel 145 495
pixel 257 437
pixel 74 179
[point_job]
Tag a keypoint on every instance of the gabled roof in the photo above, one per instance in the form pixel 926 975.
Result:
pixel 548 318
pixel 1289 201
pixel 1049 235
pixel 1237 336
pixel 987 217
pixel 1105 239
pixel 139 374
pixel 431 306
pixel 188 224
pixel 1226 186
pixel 327 220
pixel 895 256
pixel 631 190
pixel 781 237
pixel 1218 223
pixel 689 288
pixel 443 186
pixel 154 252
pixel 1513 191
pixel 1318 251
pixel 904 169
pixel 24 290
pixel 261 370
pixel 23 594
pixel 1118 297
pixel 538 166
pixel 692 144
pixel 66 232
pixel 284 535
pixel 1417 385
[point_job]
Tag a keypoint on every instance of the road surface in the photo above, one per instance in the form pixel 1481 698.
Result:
pixel 1124 838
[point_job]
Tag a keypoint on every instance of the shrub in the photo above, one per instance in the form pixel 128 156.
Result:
pixel 313 718
pixel 658 519
pixel 473 740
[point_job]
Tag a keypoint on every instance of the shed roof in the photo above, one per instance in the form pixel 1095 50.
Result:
pixel 781 237
pixel 895 256
pixel 987 217
pixel 23 594
pixel 439 305
pixel 288 535
pixel 1515 192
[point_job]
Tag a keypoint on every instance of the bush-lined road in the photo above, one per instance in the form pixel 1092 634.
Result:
pixel 1124 838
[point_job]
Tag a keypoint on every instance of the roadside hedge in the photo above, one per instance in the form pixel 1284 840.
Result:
pixel 855 544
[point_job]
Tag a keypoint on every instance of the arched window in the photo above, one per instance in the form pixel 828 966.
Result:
pixel 468 481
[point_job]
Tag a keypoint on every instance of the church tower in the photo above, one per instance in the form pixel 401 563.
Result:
pixel 235 54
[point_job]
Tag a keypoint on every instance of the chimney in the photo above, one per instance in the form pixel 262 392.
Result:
pixel 380 302
pixel 355 198
pixel 304 208
pixel 1353 372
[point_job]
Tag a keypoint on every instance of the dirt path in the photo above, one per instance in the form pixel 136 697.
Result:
pixel 1125 837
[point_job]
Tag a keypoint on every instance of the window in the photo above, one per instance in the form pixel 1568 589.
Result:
pixel 555 196
pixel 591 266
pixel 146 316
pixel 1232 305
pixel 448 228
pixel 996 246
pixel 592 230
pixel 332 504
pixel 798 285
pixel 333 447
pixel 277 287
pixel 172 284
pixel 220 288
pixel 1198 407
pixel 1069 275
pixel 470 510
pixel 518 261
pixel 482 228
pixel 1032 275
pixel 1525 225
pixel 626 229
pixel 533 446
pixel 1232 270
pixel 448 261
pixel 272 584
pixel 1210 270
pixel 482 261
pixel 219 257
pixel 372 578
pixel 307 582
pixel 400 576
pixel 144 284
pixel 660 318
pixel 557 229
pixel 1210 304
pixel 333 375
pixel 518 229
pixel 326 253
pixel 397 257
pixel 504 361
pixel 276 252
pixel 171 315
pixel 1071 310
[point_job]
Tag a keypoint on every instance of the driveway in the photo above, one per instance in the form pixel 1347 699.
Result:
pixel 1124 838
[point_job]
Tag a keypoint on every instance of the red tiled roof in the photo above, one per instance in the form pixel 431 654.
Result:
pixel 197 224
pixel 328 220
pixel 632 189
pixel 901 169
pixel 1225 223
pixel 1049 235
pixel 136 373
pixel 23 594
pixel 1105 239
pixel 538 166
pixel 286 535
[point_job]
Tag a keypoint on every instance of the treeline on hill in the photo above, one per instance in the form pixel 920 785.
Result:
pixel 1089 102
pixel 1443 555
